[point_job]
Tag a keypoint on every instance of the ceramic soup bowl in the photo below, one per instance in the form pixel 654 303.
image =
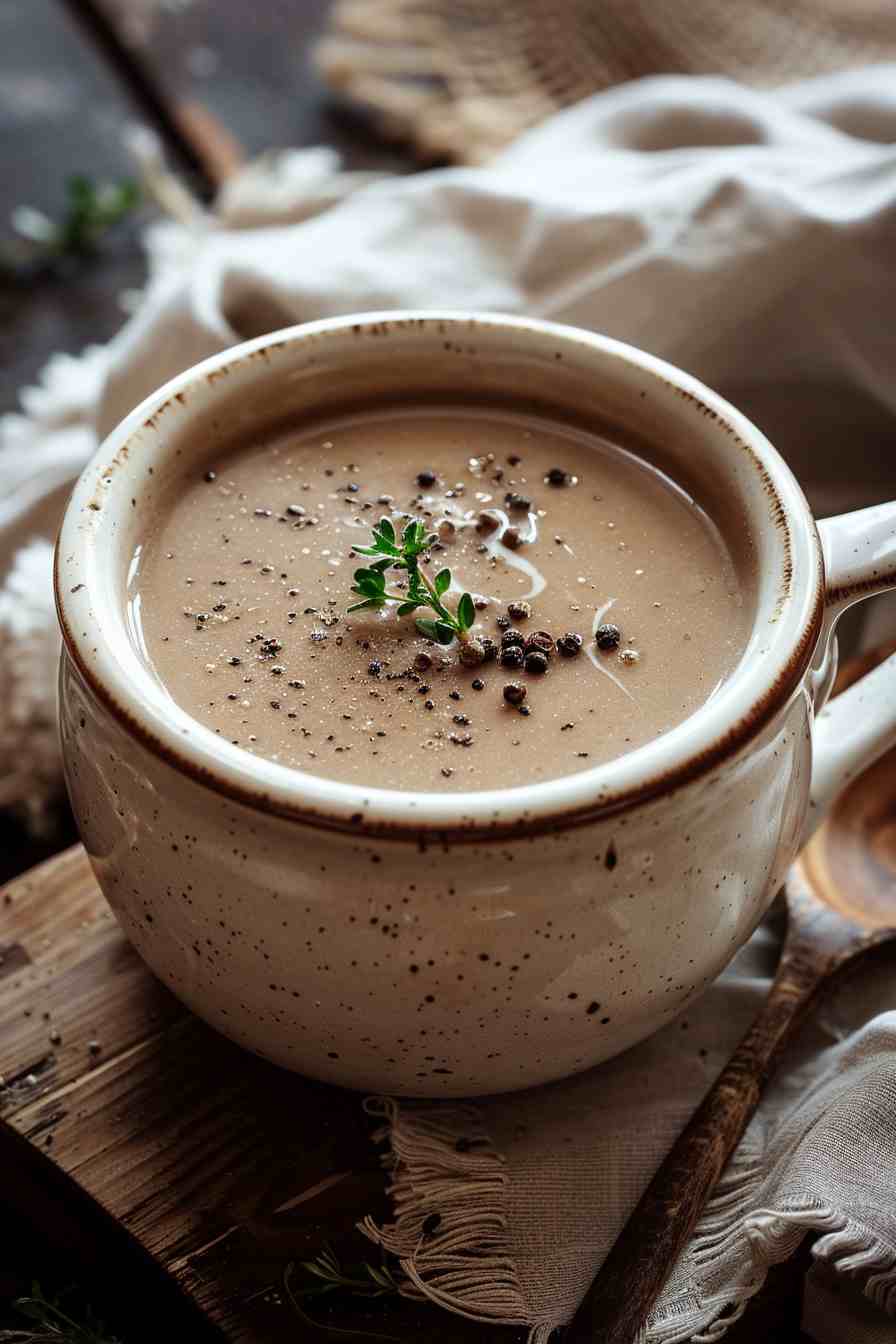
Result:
pixel 446 944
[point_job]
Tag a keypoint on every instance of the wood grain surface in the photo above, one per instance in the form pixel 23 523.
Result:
pixel 222 1167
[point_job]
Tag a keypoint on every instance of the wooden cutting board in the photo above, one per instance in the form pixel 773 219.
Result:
pixel 223 1168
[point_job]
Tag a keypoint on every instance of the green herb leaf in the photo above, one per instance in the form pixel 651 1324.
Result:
pixel 466 612
pixel 370 583
pixel 414 539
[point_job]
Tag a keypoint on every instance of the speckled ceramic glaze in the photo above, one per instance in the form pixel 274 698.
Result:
pixel 440 944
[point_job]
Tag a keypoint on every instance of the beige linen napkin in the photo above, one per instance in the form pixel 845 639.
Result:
pixel 747 237
pixel 532 1198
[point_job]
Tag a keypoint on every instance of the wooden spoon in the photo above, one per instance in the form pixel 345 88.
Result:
pixel 841 903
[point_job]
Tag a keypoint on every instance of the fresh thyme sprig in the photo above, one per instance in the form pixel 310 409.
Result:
pixel 91 210
pixel 50 1324
pixel 326 1274
pixel 370 583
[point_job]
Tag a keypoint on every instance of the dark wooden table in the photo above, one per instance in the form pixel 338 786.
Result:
pixel 61 113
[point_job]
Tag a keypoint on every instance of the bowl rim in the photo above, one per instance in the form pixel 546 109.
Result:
pixel 754 693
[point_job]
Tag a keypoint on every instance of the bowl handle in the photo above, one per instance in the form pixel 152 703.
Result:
pixel 857 727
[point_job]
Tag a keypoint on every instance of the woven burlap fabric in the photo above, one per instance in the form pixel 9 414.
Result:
pixel 461 78
pixel 544 1180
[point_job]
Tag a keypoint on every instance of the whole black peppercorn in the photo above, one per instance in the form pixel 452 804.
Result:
pixel 569 645
pixel 478 684
pixel 516 501
pixel 539 641
pixel 423 662
pixel 426 478
pixel 607 637
pixel 502 622
pixel 556 476
pixel 374 667
pixel 211 476
pixel 511 537
pixel 519 611
pixel 536 662
pixel 512 637
pixel 487 521
pixel 489 649
pixel 471 653
pixel 512 657
pixel 514 693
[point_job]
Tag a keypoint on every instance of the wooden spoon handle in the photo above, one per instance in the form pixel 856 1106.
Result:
pixel 632 1276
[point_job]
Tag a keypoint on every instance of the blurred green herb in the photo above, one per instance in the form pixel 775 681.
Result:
pixel 91 210
pixel 326 1275
pixel 50 1324
pixel 406 554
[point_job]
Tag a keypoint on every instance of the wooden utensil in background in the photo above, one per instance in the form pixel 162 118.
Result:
pixel 841 904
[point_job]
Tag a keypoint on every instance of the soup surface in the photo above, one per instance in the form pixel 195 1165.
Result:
pixel 240 592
